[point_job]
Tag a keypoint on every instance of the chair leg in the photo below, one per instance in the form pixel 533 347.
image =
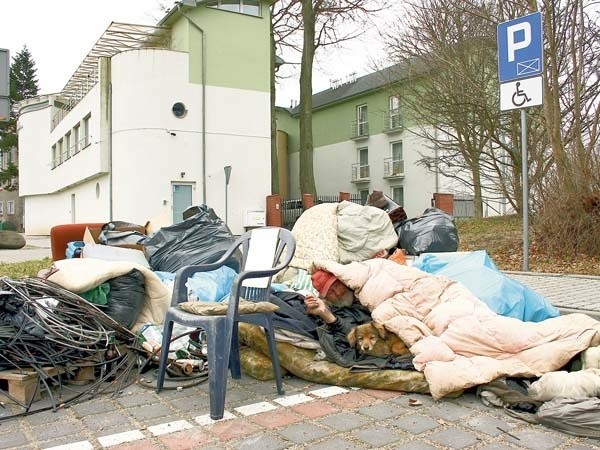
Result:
pixel 234 354
pixel 164 353
pixel 270 335
pixel 218 359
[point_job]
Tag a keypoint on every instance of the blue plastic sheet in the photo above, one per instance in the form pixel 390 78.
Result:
pixel 477 272
pixel 212 286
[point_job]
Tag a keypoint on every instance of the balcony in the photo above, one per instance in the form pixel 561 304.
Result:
pixel 392 122
pixel 393 168
pixel 360 173
pixel 359 130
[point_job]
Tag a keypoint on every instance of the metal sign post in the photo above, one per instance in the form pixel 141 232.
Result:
pixel 520 66
pixel 4 85
pixel 227 170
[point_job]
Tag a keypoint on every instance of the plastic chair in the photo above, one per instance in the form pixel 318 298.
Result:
pixel 262 257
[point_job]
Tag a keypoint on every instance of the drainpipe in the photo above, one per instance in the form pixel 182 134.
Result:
pixel 110 151
pixel 196 26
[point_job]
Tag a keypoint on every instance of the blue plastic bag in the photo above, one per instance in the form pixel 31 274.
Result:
pixel 478 273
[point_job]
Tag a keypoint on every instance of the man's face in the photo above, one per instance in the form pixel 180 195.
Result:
pixel 339 294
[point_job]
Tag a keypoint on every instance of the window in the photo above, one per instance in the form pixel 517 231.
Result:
pixel 394 112
pixel 85 133
pixel 10 207
pixel 1 207
pixel 363 162
pixel 364 193
pixel 362 123
pixel 74 149
pixel 54 161
pixel 68 145
pixel 395 165
pixel 251 7
pixel 398 195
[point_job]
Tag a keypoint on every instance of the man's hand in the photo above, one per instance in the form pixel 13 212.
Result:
pixel 317 307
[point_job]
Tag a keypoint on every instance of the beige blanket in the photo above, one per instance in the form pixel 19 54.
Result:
pixel 82 274
pixel 457 341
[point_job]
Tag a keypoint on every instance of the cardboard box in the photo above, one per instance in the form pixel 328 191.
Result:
pixel 91 235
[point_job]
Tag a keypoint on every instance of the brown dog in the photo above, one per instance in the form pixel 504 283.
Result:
pixel 373 339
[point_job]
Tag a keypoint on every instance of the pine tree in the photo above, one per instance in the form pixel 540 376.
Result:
pixel 23 85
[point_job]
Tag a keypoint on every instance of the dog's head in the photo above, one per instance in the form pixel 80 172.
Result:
pixel 364 337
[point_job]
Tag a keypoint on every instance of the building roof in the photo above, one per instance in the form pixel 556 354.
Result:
pixel 342 90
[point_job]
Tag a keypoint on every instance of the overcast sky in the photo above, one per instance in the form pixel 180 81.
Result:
pixel 60 33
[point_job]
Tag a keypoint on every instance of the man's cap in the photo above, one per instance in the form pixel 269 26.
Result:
pixel 322 281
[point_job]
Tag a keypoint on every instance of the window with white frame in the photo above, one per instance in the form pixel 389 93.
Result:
pixel 55 157
pixel 398 194
pixel 61 151
pixel 394 112
pixel 397 158
pixel 10 207
pixel 251 7
pixel 68 145
pixel 74 149
pixel 1 207
pixel 84 141
pixel 362 122
pixel 363 162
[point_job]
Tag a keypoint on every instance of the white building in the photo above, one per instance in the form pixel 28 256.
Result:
pixel 148 122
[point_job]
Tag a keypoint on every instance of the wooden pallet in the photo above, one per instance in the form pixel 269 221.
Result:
pixel 21 383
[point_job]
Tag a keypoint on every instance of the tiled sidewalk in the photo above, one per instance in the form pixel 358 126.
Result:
pixel 309 416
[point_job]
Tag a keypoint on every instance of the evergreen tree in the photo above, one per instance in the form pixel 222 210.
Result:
pixel 23 85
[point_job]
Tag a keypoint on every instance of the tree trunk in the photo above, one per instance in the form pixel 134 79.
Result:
pixel 307 177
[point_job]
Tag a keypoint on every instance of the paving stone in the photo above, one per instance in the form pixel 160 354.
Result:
pixel 275 419
pixel 472 401
pixel 70 443
pixel 497 447
pixel 56 429
pixel 415 424
pixel 302 433
pixel 344 421
pixel 426 401
pixel 108 421
pixel 454 438
pixel 147 412
pixel 186 439
pixel 193 405
pixel 582 447
pixel 335 443
pixel 377 436
pixel 536 440
pixel 382 411
pixel 232 429
pixel 415 445
pixel 450 411
pixel 263 442
pixel 130 399
pixel 352 400
pixel 44 417
pixel 95 406
pixel 383 394
pixel 488 425
pixel 146 444
pixel 12 439
pixel 316 408
pixel 238 397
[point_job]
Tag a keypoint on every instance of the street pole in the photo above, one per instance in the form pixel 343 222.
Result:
pixel 524 182
pixel 227 170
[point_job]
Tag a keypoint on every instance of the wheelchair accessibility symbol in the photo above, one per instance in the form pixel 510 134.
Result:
pixel 519 97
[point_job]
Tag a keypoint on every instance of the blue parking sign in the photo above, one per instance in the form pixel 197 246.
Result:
pixel 520 48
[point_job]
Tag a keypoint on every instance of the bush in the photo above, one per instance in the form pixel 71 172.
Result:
pixel 8 225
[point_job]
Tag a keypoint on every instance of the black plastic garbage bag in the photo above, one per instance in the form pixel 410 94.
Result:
pixel 434 231
pixel 201 239
pixel 126 297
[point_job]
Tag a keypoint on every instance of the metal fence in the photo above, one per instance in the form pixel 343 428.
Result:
pixel 291 209
pixel 464 206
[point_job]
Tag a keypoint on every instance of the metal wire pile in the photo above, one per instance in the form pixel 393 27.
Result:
pixel 43 325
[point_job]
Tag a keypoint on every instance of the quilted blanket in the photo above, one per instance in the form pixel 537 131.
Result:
pixel 458 341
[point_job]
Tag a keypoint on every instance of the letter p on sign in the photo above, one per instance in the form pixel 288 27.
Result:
pixel 513 32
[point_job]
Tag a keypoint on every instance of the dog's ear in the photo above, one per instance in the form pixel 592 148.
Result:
pixel 352 337
pixel 380 329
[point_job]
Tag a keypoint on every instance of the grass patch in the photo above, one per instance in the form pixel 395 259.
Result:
pixel 502 237
pixel 24 269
